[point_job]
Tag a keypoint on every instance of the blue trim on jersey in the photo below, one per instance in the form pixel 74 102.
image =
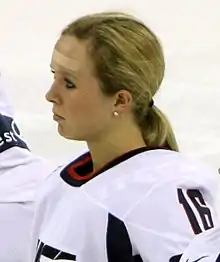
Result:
pixel 66 173
pixel 46 251
pixel 9 134
pixel 175 258
pixel 118 243
pixel 76 174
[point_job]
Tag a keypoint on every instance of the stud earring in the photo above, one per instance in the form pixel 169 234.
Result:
pixel 115 113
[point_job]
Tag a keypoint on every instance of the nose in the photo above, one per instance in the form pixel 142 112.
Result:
pixel 52 95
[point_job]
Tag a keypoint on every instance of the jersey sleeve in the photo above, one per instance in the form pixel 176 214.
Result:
pixel 10 136
pixel 15 226
pixel 20 170
pixel 165 221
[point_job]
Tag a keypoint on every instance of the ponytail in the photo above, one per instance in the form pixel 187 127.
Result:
pixel 157 131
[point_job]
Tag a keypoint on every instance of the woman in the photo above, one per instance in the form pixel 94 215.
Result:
pixel 132 197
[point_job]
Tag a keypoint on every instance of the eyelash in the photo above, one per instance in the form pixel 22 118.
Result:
pixel 69 83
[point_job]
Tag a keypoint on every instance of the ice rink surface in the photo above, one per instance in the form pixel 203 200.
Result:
pixel 190 95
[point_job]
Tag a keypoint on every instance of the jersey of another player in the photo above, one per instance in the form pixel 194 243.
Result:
pixel 146 206
pixel 205 247
pixel 21 172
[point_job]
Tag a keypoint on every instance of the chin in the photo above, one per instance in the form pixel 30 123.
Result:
pixel 70 135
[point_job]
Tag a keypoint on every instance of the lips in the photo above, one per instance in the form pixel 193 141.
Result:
pixel 57 117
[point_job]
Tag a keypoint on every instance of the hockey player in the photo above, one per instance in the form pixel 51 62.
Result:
pixel 21 172
pixel 133 196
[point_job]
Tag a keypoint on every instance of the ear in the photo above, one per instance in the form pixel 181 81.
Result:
pixel 123 101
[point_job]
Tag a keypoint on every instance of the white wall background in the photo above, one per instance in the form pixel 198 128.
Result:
pixel 189 30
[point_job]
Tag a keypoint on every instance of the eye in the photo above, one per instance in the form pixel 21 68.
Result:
pixel 69 83
pixel 53 72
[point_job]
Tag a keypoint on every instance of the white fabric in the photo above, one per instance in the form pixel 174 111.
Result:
pixel 205 247
pixel 141 192
pixel 20 169
pixel 21 173
pixel 15 226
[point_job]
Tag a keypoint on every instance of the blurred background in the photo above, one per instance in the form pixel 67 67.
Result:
pixel 189 31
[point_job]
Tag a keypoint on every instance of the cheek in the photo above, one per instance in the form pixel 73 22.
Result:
pixel 88 109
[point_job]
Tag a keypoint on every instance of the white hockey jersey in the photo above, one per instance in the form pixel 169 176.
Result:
pixel 21 172
pixel 146 206
pixel 205 247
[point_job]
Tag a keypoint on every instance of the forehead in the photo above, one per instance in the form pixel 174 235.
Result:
pixel 71 54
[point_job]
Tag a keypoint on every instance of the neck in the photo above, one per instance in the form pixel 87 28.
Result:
pixel 103 152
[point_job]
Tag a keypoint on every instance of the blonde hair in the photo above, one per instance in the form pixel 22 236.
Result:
pixel 128 55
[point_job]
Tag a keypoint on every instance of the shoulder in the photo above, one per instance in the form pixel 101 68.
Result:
pixel 166 165
pixel 22 173
pixel 51 185
pixel 168 173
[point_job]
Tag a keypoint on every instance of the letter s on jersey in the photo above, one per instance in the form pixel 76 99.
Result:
pixel 9 134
